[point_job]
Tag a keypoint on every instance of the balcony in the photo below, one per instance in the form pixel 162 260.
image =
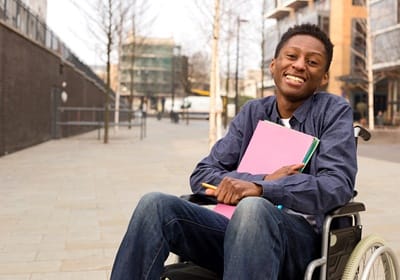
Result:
pixel 279 13
pixel 295 4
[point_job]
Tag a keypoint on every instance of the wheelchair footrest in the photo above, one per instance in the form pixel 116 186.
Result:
pixel 341 244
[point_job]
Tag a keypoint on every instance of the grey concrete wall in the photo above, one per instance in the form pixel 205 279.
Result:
pixel 30 86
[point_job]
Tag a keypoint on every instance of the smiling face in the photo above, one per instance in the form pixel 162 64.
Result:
pixel 299 69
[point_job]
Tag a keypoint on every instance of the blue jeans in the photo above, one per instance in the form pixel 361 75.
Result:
pixel 259 242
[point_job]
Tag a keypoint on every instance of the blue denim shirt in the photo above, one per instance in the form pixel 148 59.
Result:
pixel 328 179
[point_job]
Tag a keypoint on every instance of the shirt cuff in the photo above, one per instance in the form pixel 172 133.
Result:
pixel 271 190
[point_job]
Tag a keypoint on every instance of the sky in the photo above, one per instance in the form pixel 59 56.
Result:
pixel 179 19
pixel 70 26
pixel 69 22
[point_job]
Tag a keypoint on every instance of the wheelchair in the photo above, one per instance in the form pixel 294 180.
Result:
pixel 344 254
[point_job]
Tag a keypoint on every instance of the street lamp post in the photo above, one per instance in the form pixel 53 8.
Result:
pixel 175 53
pixel 238 21
pixel 131 95
pixel 172 81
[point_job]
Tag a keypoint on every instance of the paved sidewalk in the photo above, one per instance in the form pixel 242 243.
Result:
pixel 65 204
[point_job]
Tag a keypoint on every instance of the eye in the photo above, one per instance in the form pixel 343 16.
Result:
pixel 291 56
pixel 312 62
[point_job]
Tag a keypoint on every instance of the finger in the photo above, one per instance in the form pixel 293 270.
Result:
pixel 295 168
pixel 298 166
pixel 210 192
pixel 235 199
pixel 226 198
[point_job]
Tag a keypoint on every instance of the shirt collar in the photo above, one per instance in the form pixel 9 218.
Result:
pixel 274 114
pixel 300 113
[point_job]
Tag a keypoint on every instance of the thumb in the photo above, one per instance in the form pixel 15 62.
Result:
pixel 210 192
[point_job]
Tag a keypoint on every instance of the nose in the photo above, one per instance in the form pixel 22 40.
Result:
pixel 299 64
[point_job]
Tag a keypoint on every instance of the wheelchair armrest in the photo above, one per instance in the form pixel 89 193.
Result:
pixel 360 131
pixel 349 208
pixel 200 199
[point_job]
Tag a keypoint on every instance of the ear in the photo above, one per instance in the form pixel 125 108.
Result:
pixel 272 67
pixel 325 79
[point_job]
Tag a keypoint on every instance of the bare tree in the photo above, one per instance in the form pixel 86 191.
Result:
pixel 105 25
pixel 248 14
pixel 215 115
pixel 262 66
pixel 108 29
pixel 199 70
pixel 135 41
pixel 110 22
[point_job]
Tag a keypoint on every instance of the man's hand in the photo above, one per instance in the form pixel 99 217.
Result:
pixel 231 190
pixel 284 171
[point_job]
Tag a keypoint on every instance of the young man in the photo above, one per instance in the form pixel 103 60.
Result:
pixel 260 241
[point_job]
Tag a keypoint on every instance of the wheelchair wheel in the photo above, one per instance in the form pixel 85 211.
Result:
pixel 371 259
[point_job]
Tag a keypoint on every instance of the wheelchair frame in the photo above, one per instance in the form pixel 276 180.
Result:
pixel 349 262
pixel 329 240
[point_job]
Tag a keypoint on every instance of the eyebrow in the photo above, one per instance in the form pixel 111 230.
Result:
pixel 308 53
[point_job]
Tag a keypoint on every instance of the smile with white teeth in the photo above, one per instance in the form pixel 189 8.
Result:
pixel 294 78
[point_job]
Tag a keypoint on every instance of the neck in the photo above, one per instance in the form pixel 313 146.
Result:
pixel 286 108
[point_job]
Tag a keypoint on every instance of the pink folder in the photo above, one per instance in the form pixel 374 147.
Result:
pixel 273 146
pixel 225 209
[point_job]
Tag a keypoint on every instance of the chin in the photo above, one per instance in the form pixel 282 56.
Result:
pixel 297 97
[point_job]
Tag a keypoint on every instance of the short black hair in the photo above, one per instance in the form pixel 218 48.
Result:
pixel 307 29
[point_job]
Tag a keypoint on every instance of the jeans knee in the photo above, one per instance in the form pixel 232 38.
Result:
pixel 149 211
pixel 253 217
pixel 251 207
pixel 150 198
pixel 256 213
pixel 148 207
pixel 153 201
pixel 147 200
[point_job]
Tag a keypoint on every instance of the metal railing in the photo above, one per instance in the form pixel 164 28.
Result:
pixel 94 117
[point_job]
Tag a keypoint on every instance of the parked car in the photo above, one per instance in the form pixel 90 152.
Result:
pixel 198 107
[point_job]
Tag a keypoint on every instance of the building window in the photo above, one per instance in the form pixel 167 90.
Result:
pixel 358 2
pixel 2 9
pixel 323 23
pixel 358 47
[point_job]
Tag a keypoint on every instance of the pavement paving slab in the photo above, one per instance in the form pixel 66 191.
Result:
pixel 65 204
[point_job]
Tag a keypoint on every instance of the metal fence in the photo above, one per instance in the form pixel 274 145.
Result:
pixel 69 117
